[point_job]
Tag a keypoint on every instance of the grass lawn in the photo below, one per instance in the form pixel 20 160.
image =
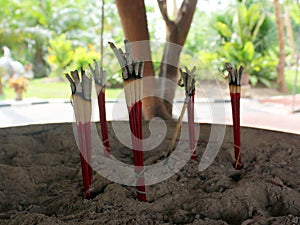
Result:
pixel 290 80
pixel 46 89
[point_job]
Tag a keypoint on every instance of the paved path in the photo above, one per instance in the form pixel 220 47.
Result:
pixel 265 113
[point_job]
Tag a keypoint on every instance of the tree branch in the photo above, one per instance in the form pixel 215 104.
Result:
pixel 164 10
pixel 187 9
pixel 184 18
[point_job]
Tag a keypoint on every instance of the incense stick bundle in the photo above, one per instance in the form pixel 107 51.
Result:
pixel 132 71
pixel 81 101
pixel 235 76
pixel 99 78
pixel 188 80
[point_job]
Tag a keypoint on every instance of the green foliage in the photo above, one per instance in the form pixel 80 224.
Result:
pixel 112 68
pixel 82 58
pixel 249 21
pixel 244 42
pixel 200 35
pixel 241 33
pixel 247 25
pixel 208 63
pixel 223 29
pixel 63 57
pixel 263 69
pixel 224 26
pixel 290 80
pixel 266 37
pixel 27 26
pixel 208 58
pixel 295 13
pixel 205 62
pixel 60 53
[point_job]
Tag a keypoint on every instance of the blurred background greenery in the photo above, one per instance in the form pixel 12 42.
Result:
pixel 56 36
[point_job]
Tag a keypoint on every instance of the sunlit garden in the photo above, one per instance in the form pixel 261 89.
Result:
pixel 149 112
pixel 54 37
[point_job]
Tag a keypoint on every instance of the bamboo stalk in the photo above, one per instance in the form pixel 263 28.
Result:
pixel 132 74
pixel 81 100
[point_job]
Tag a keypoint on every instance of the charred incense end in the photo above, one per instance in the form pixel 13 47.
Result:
pixel 86 83
pixel 234 75
pixel 82 88
pixel 131 68
pixel 180 82
pixel 95 71
pixel 129 55
pixel 75 76
pixel 231 74
pixel 99 74
pixel 187 80
pixel 72 83
pixel 135 67
pixel 240 73
pixel 140 67
pixel 118 54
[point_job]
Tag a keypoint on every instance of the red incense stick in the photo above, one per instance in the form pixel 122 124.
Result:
pixel 132 71
pixel 235 88
pixel 81 99
pixel 141 189
pixel 237 140
pixel 103 123
pixel 99 77
pixel 83 155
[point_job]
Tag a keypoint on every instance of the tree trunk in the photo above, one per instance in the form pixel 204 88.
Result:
pixel 281 64
pixel 177 32
pixel 289 30
pixel 134 23
pixel 39 64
